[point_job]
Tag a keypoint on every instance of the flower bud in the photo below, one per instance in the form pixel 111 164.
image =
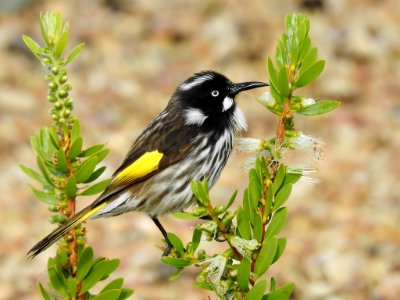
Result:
pixel 69 237
pixel 67 113
pixel 67 87
pixel 63 79
pixel 62 219
pixel 46 60
pixel 227 218
pixel 55 117
pixel 199 211
pixel 55 70
pixel 201 254
pixel 53 219
pixel 63 93
pixel 52 85
pixel 61 121
pixel 219 209
pixel 53 208
pixel 49 77
pixel 58 105
pixel 51 98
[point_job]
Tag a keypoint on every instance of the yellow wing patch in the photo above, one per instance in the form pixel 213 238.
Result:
pixel 141 167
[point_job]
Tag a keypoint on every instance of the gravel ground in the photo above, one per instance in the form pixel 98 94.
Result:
pixel 343 233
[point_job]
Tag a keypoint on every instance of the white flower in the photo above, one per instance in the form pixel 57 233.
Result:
pixel 248 144
pixel 244 247
pixel 306 171
pixel 266 99
pixel 215 268
pixel 308 101
pixel 308 143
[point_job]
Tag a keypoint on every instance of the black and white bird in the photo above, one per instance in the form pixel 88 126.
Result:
pixel 190 139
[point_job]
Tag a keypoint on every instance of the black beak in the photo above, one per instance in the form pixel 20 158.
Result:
pixel 244 86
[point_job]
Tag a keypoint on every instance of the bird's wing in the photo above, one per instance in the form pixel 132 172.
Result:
pixel 162 144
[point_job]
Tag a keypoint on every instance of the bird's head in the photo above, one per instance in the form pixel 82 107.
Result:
pixel 208 98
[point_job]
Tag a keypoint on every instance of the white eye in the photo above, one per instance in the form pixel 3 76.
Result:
pixel 215 93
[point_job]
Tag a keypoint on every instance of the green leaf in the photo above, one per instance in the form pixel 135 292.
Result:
pixel 276 224
pixel 265 256
pixel 196 238
pixel 44 170
pixel 273 77
pixel 291 178
pixel 85 262
pixel 176 242
pixel 48 198
pixel 308 60
pixel 203 285
pixel 110 266
pixel 57 282
pixel 310 74
pixel 61 43
pixel 96 188
pixel 231 200
pixel 91 150
pixel 75 52
pixel 115 284
pixel 94 276
pixel 125 293
pixel 319 108
pixel 183 215
pixel 102 154
pixel 269 200
pixel 76 131
pixel 279 249
pixel 248 209
pixel 96 174
pixel 257 292
pixel 33 46
pixel 176 262
pixel 283 83
pixel 254 189
pixel 33 174
pixel 258 226
pixel 243 225
pixel 282 293
pixel 71 188
pixel 62 161
pixel 279 177
pixel 72 284
pixel 86 169
pixel 272 284
pixel 176 274
pixel 108 295
pixel 75 148
pixel 282 195
pixel 44 293
pixel 243 274
pixel 200 192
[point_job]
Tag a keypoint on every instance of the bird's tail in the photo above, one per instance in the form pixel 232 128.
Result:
pixel 58 233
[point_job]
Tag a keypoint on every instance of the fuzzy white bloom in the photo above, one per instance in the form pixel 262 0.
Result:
pixel 307 172
pixel 308 143
pixel 308 101
pixel 266 99
pixel 248 144
pixel 244 247
pixel 215 268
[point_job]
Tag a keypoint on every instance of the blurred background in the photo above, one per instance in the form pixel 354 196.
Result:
pixel 343 233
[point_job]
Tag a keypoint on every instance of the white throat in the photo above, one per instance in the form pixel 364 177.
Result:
pixel 227 103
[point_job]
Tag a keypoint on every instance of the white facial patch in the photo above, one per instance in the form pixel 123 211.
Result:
pixel 194 116
pixel 227 103
pixel 196 81
pixel 238 120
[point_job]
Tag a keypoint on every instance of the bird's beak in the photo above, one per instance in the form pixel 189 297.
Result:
pixel 244 86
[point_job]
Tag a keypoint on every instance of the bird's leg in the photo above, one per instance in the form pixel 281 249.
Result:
pixel 165 235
